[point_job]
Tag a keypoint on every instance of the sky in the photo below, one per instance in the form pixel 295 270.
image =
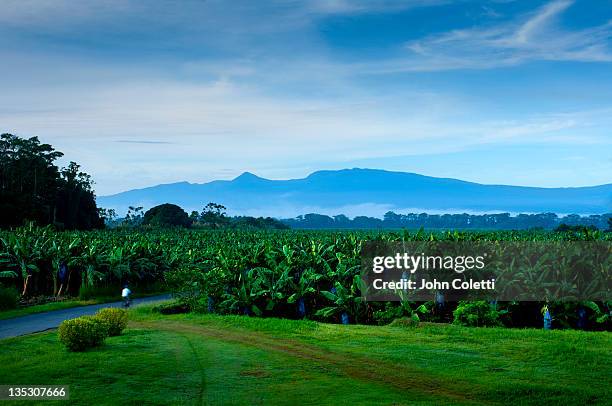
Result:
pixel 143 93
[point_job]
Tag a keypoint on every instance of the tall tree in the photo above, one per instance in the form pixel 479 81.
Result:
pixel 28 180
pixel 33 188
pixel 166 215
pixel 76 204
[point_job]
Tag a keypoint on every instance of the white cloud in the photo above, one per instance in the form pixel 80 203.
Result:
pixel 334 7
pixel 535 37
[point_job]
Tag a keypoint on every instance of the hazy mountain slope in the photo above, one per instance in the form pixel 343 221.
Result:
pixel 365 192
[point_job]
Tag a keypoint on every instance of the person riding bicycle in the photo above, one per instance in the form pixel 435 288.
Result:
pixel 125 294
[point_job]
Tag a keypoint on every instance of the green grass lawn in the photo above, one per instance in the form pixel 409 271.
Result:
pixel 196 359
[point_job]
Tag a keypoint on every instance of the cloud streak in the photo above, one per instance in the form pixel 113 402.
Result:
pixel 534 37
pixel 145 142
pixel 352 7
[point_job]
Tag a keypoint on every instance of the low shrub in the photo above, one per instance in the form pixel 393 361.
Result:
pixel 394 311
pixel 42 299
pixel 115 320
pixel 412 321
pixel 9 298
pixel 476 314
pixel 82 333
pixel 171 308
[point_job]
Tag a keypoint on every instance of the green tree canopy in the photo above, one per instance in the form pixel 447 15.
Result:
pixel 166 215
pixel 33 188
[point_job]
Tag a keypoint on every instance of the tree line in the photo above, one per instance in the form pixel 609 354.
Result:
pixel 33 188
pixel 499 221
pixel 213 216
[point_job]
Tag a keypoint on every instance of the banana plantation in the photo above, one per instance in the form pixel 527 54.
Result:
pixel 284 273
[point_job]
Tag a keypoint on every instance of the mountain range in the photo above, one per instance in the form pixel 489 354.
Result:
pixel 369 192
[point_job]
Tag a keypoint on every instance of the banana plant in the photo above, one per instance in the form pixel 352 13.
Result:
pixel 272 286
pixel 119 263
pixel 23 253
pixel 240 299
pixel 303 289
pixel 60 254
pixel 92 260
pixel 344 301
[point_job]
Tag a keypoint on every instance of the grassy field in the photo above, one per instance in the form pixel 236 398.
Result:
pixel 198 359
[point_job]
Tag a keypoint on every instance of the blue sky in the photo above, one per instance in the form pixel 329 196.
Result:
pixel 142 93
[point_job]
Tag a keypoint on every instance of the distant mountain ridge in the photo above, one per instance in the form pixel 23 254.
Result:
pixel 363 192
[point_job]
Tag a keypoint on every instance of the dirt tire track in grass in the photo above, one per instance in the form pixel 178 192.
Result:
pixel 198 362
pixel 398 376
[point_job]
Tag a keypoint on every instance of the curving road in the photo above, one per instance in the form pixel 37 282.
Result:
pixel 34 323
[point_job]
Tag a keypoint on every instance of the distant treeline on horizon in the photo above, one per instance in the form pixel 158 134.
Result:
pixel 498 221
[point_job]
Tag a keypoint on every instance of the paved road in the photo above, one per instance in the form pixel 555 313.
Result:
pixel 34 323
